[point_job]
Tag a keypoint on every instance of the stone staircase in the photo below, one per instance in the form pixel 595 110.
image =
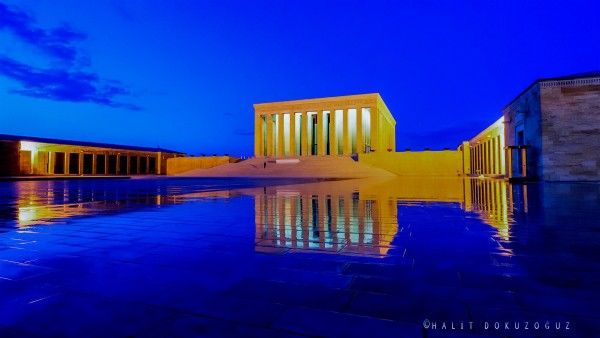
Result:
pixel 309 166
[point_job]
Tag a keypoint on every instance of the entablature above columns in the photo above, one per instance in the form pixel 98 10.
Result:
pixel 331 103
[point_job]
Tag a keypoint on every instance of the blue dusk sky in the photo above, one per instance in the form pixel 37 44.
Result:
pixel 183 75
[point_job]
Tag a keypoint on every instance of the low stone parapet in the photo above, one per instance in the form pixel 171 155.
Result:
pixel 183 164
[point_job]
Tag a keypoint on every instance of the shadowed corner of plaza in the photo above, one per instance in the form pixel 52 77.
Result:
pixel 326 231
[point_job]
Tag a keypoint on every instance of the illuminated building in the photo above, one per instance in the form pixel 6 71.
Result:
pixel 342 125
pixel 550 131
pixel 40 156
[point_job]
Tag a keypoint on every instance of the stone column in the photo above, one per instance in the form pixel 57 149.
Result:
pixel 332 136
pixel 375 141
pixel 258 134
pixel 466 153
pixel 346 133
pixel 80 163
pixel 292 134
pixel 67 163
pixel 360 145
pixel 320 138
pixel 270 142
pixel 303 131
pixel 280 134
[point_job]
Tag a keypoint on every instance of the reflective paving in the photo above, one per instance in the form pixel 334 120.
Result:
pixel 283 258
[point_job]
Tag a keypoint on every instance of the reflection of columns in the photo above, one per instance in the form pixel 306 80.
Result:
pixel 361 224
pixel 259 214
pixel 332 136
pixel 321 214
pixel 293 220
pixel 270 142
pixel 509 166
pixel 346 133
pixel 280 143
pixel 468 195
pixel 360 147
pixel 305 224
pixel 280 205
pixel 292 135
pixel 334 221
pixel 319 132
pixel 347 207
pixel 375 142
pixel 303 133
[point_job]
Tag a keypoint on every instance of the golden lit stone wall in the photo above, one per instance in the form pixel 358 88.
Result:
pixel 420 163
pixel 183 164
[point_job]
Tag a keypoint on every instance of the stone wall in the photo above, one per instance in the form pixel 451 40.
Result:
pixel 524 114
pixel 417 163
pixel 571 130
pixel 182 164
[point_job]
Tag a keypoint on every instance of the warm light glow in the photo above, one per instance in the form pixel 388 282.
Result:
pixel 352 129
pixel 31 146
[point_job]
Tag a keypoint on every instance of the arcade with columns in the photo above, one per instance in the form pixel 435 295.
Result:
pixel 342 125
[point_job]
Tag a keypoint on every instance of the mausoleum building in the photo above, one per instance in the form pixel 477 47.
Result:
pixel 342 125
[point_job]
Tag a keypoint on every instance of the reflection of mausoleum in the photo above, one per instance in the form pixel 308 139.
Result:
pixel 304 219
pixel 362 217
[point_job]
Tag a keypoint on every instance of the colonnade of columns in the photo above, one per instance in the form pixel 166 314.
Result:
pixel 332 131
pixel 487 157
pixel 99 163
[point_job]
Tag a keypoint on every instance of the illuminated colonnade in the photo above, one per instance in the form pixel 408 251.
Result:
pixel 487 151
pixel 342 125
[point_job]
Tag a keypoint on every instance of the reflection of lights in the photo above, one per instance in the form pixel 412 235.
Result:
pixel 27 215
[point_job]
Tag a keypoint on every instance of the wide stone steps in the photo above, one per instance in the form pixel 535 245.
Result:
pixel 309 166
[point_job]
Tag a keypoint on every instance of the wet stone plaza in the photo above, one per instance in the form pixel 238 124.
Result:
pixel 288 258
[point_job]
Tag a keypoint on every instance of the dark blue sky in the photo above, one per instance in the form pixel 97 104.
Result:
pixel 184 74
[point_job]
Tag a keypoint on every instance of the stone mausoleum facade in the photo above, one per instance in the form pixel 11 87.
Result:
pixel 343 125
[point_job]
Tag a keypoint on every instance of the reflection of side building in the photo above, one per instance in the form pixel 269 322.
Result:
pixel 47 202
pixel 39 156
